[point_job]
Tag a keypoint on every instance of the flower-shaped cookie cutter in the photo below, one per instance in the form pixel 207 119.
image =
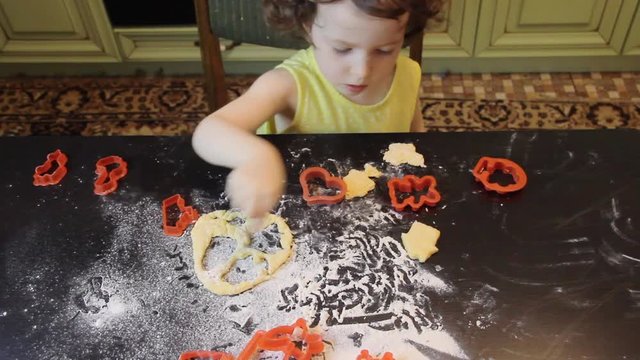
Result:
pixel 187 215
pixel 41 177
pixel 364 355
pixel 284 338
pixel 330 181
pixel 486 166
pixel 107 181
pixel 411 184
pixel 205 355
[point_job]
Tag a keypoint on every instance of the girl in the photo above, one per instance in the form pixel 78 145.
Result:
pixel 351 79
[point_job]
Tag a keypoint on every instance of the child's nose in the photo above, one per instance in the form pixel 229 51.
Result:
pixel 361 68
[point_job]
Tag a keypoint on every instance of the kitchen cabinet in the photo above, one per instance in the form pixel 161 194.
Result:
pixel 469 36
pixel 452 34
pixel 50 31
pixel 632 45
pixel 533 28
pixel 178 43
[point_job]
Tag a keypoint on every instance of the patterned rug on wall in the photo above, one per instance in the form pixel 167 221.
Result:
pixel 174 105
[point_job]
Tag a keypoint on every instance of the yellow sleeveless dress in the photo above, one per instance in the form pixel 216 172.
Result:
pixel 322 109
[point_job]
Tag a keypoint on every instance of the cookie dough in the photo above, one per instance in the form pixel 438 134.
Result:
pixel 403 154
pixel 358 182
pixel 420 241
pixel 224 223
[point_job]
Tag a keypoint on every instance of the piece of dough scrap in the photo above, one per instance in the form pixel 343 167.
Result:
pixel 420 241
pixel 359 183
pixel 219 224
pixel 399 153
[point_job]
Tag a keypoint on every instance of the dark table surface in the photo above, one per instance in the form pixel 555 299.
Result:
pixel 550 272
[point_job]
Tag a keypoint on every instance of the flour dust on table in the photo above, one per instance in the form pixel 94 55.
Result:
pixel 353 279
pixel 135 294
pixel 355 285
pixel 350 278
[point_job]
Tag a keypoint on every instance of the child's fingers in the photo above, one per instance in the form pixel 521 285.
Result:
pixel 249 202
pixel 255 224
pixel 257 207
pixel 254 194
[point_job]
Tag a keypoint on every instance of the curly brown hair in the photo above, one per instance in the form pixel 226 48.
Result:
pixel 294 15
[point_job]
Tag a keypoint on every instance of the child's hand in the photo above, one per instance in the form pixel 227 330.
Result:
pixel 256 186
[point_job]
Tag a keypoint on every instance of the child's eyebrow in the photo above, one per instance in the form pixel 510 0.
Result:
pixel 348 44
pixel 341 42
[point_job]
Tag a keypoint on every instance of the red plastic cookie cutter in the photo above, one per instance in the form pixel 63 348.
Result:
pixel 40 176
pixel 412 183
pixel 205 355
pixel 283 338
pixel 364 355
pixel 330 182
pixel 486 166
pixel 187 216
pixel 107 182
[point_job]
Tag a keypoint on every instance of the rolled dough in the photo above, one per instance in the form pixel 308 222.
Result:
pixel 219 224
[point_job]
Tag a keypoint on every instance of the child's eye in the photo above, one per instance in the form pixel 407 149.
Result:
pixel 341 50
pixel 384 51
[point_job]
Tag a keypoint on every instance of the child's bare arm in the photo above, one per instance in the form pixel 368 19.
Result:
pixel 227 138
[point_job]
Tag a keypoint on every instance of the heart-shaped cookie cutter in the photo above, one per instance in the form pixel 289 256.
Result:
pixel 102 186
pixel 187 216
pixel 40 176
pixel 486 166
pixel 330 181
pixel 412 183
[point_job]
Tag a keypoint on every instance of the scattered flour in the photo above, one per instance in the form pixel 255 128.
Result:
pixel 349 277
pixel 143 293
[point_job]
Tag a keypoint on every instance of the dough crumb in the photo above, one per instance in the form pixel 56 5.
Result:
pixel 420 241
pixel 399 153
pixel 358 182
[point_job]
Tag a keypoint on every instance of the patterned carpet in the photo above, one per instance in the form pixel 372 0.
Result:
pixel 174 105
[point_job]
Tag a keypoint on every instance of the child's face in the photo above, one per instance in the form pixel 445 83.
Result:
pixel 355 51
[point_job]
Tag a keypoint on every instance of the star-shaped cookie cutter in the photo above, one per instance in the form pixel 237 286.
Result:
pixel 187 216
pixel 41 177
pixel 107 181
pixel 330 181
pixel 410 184
pixel 486 166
